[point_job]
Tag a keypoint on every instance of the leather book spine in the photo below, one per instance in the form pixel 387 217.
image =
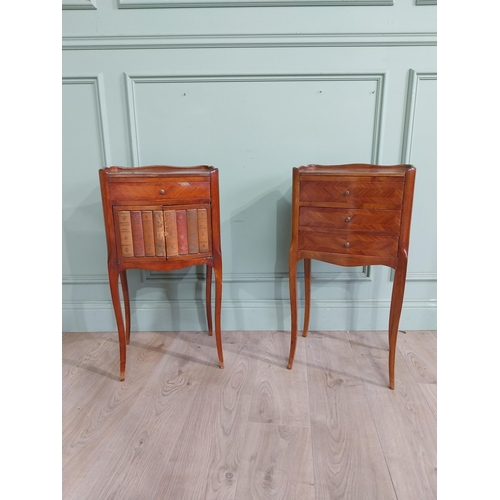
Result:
pixel 171 233
pixel 182 238
pixel 137 234
pixel 159 232
pixel 149 238
pixel 125 233
pixel 192 228
pixel 203 230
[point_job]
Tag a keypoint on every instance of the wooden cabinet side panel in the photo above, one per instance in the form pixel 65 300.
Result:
pixel 214 220
pixel 109 226
pixel 407 210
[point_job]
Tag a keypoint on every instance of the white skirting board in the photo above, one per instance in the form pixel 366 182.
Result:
pixel 189 315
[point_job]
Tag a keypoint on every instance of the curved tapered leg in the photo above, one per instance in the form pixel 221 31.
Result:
pixel 218 309
pixel 115 298
pixel 293 307
pixel 209 299
pixel 307 295
pixel 398 289
pixel 126 301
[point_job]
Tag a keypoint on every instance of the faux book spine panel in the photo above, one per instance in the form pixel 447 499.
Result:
pixel 203 230
pixel 187 231
pixel 182 236
pixel 125 228
pixel 172 232
pixel 159 233
pixel 137 233
pixel 149 238
pixel 192 229
pixel 142 232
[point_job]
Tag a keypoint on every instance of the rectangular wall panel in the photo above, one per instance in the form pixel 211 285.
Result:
pixel 420 149
pixel 85 149
pixel 255 129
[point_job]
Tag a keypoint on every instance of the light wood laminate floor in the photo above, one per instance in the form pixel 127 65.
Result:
pixel 180 428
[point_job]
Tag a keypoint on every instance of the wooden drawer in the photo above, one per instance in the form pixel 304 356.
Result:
pixel 349 243
pixel 353 193
pixel 159 191
pixel 350 219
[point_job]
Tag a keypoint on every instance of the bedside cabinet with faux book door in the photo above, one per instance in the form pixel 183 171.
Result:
pixel 161 218
pixel 351 215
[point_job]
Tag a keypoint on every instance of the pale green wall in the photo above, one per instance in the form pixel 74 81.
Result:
pixel 253 91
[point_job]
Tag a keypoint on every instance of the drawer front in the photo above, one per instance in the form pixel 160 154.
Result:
pixel 350 219
pixel 349 244
pixel 161 191
pixel 352 192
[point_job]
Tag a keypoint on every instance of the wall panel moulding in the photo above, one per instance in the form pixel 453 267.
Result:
pixel 270 40
pixel 79 5
pixel 165 4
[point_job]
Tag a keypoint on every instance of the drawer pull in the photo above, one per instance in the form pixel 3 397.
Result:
pixel 347 244
pixel 346 193
pixel 162 191
pixel 348 219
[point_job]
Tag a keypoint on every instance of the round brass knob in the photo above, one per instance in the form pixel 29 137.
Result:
pixel 346 193
pixel 347 244
pixel 348 219
pixel 162 191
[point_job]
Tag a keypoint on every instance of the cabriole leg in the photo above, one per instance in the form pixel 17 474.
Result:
pixel 307 295
pixel 395 313
pixel 218 309
pixel 293 308
pixel 209 298
pixel 126 301
pixel 115 298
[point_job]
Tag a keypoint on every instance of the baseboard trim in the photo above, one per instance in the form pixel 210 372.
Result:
pixel 182 315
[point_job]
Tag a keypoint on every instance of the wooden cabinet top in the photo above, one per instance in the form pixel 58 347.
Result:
pixel 157 171
pixel 358 169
